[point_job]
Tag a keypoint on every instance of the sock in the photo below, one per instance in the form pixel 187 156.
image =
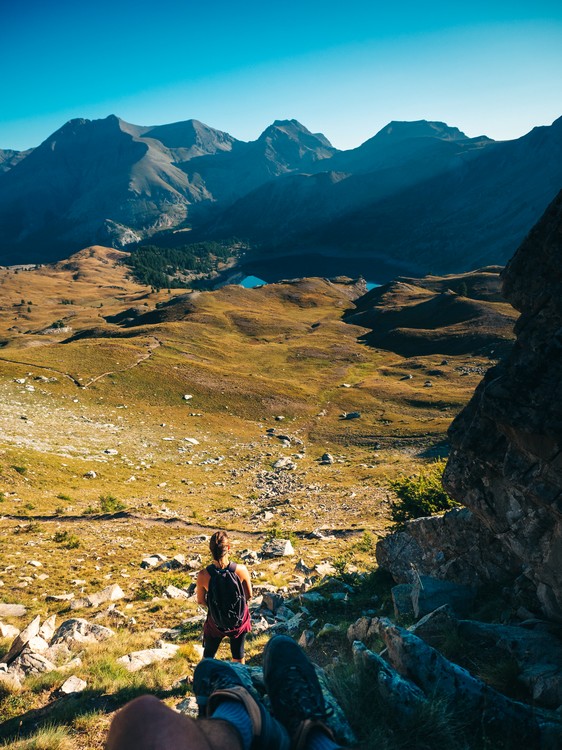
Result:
pixel 235 713
pixel 319 740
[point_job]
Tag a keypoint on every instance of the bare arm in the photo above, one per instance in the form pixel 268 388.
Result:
pixel 202 587
pixel 244 575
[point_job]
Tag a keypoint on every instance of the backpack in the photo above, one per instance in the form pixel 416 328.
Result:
pixel 225 597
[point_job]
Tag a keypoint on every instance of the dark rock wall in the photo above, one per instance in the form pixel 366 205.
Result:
pixel 506 460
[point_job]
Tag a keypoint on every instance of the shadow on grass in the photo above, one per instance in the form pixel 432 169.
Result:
pixel 64 710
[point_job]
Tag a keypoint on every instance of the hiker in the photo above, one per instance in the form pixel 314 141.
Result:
pixel 224 588
pixel 231 716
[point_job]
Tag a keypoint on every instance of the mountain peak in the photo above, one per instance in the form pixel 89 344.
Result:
pixel 398 130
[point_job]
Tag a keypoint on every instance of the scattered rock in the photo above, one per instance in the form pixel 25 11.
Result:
pixel 78 630
pixel 31 663
pixel 59 597
pixel 90 475
pixel 22 638
pixel 109 594
pixel 139 659
pixel 47 629
pixel 306 639
pixel 284 463
pixel 326 459
pixel 350 415
pixel 173 592
pixel 278 548
pixel 8 631
pixel 73 685
pixel 187 397
pixel 325 569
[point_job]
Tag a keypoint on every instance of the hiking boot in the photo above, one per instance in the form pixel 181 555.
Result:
pixel 294 690
pixel 215 681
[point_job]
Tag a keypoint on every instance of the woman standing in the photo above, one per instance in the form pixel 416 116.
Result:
pixel 224 588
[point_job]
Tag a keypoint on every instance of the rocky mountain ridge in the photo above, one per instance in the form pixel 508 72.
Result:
pixel 409 194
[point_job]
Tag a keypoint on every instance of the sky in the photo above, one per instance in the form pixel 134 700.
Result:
pixel 345 69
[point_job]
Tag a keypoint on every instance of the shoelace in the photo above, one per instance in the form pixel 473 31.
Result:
pixel 301 699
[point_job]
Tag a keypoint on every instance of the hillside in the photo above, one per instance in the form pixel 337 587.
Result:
pixel 459 314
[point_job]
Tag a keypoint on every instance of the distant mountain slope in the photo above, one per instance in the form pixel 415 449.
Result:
pixel 419 195
pixel 9 158
pixel 108 181
pixel 399 156
pixel 463 218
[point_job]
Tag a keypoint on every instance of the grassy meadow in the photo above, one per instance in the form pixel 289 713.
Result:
pixel 170 470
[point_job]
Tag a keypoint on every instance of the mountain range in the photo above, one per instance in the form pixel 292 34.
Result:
pixel 420 196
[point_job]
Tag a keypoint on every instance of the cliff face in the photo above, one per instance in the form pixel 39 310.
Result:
pixel 506 462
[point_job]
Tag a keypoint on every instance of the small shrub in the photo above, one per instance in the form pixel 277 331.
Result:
pixel 20 469
pixel 419 495
pixel 68 540
pixel 110 504
pixel 66 498
pixel 366 543
pixel 276 532
pixel 2 497
pixel 29 506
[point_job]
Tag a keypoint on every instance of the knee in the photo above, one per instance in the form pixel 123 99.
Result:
pixel 133 720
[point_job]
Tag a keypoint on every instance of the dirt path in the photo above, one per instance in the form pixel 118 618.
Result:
pixel 142 358
pixel 173 522
pixel 151 349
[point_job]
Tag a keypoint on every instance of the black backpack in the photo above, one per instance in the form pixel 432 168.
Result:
pixel 225 597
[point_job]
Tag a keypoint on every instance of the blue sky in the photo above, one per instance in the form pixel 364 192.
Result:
pixel 345 68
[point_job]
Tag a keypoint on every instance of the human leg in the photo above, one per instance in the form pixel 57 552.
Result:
pixel 210 646
pixel 221 694
pixel 148 724
pixel 296 696
pixel 237 648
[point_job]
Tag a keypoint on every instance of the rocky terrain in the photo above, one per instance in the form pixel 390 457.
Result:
pixel 419 197
pixel 134 423
pixel 504 467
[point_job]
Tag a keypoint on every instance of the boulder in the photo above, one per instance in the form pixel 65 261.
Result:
pixel 108 594
pixel 22 638
pixel 59 597
pixel 73 685
pixel 399 694
pixel 30 663
pixel 481 705
pixel 436 626
pixel 12 610
pixel 402 600
pixel 430 593
pixel 284 463
pixel 77 630
pixel 537 653
pixel 36 645
pixel 437 546
pixel 173 592
pixel 272 601
pixel 47 629
pixel 8 631
pixel 278 548
pixel 139 659
pixel 506 457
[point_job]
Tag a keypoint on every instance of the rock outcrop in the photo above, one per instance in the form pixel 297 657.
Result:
pixel 506 460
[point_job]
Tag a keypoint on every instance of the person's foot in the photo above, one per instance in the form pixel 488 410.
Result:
pixel 215 682
pixel 294 690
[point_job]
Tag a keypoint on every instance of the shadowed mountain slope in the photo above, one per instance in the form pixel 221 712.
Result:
pixel 451 315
